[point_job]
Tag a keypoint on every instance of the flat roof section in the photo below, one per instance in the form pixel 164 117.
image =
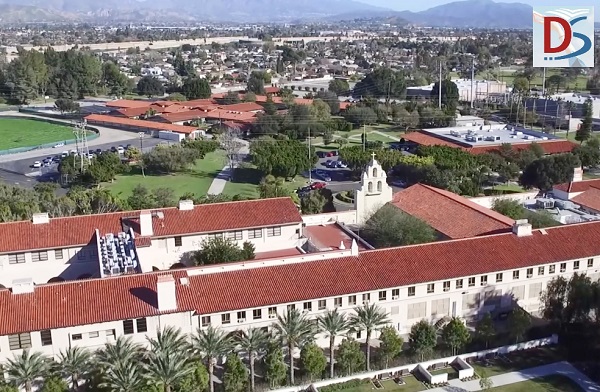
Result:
pixel 330 237
pixel 489 135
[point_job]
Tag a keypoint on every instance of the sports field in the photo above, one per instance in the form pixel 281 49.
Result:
pixel 16 133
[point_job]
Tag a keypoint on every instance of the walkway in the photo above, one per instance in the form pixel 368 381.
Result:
pixel 218 185
pixel 558 368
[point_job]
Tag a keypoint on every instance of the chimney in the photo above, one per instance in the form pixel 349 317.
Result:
pixel 354 248
pixel 40 218
pixel 577 174
pixel 186 205
pixel 165 293
pixel 522 228
pixel 146 224
pixel 22 286
pixel 342 246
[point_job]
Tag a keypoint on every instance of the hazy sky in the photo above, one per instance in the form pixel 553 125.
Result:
pixel 412 5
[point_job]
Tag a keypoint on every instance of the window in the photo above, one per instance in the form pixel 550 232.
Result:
pixel 257 314
pixel 128 327
pixel 352 300
pixel 370 187
pixel 529 273
pixel 110 333
pixel 46 337
pixel 447 286
pixel 440 307
pixel 366 298
pixel 19 341
pixel 307 306
pixel 93 334
pixel 516 274
pixel 541 270
pixel 459 283
pixel 254 233
pixel 272 312
pixel 471 301
pixel 563 267
pixel 382 295
pixel 590 263
pixel 205 321
pixel 358 334
pixel 337 302
pixel 58 254
pixel 395 293
pixel 379 186
pixel 141 324
pixel 235 235
pixel 273 231
pixel 472 282
pixel 416 311
pixel 16 258
pixel 215 235
pixel 430 288
pixel 535 290
pixel 483 280
pixel 241 316
pixel 225 318
pixel 76 336
pixel 81 254
pixel 575 265
pixel 39 256
pixel 178 241
pixel 552 269
pixel 499 277
pixel 291 307
pixel 411 291
pixel 322 304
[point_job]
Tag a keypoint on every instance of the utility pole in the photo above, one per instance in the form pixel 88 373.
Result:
pixel 141 134
pixel 364 138
pixel 309 160
pixel 472 82
pixel 544 83
pixel 440 88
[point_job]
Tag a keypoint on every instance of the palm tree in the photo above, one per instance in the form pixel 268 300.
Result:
pixel 74 362
pixel 334 324
pixel 169 340
pixel 211 343
pixel 123 350
pixel 368 318
pixel 294 330
pixel 24 369
pixel 123 377
pixel 168 360
pixel 253 342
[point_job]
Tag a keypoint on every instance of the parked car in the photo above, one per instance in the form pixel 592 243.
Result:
pixel 321 154
pixel 57 145
pixel 98 151
pixel 36 164
pixel 64 154
pixel 341 165
pixel 318 185
pixel 120 149
pixel 113 149
pixel 56 159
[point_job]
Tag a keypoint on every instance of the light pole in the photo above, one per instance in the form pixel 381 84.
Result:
pixel 141 134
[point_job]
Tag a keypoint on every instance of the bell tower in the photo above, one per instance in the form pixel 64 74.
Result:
pixel 373 191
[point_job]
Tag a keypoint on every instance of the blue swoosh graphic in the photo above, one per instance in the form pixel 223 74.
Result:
pixel 587 42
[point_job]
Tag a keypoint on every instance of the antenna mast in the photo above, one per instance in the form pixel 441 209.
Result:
pixel 83 150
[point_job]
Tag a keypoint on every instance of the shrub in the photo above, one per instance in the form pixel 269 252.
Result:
pixel 344 385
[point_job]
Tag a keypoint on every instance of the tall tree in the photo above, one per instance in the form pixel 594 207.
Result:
pixel 74 363
pixel 368 318
pixel 391 227
pixel 23 370
pixel 295 330
pixel 584 132
pixel 235 375
pixel 150 86
pixel 450 95
pixel 334 324
pixel 168 361
pixel 253 342
pixel 350 357
pixel 390 344
pixel 211 344
pixel 220 250
pixel 518 323
pixel 485 329
pixel 196 88
pixel 422 338
pixel 274 365
pixel 313 360
pixel 455 335
pixel 339 86
pixel 546 172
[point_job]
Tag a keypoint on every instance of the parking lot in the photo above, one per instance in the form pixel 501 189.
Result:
pixel 21 171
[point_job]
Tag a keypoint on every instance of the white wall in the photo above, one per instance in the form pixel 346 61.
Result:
pixel 488 201
pixel 346 217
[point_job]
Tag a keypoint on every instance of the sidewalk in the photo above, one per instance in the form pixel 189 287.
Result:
pixel 218 184
pixel 558 368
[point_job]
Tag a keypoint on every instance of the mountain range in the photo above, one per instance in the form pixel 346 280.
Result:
pixel 463 14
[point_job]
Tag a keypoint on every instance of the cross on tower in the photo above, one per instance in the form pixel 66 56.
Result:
pixel 373 155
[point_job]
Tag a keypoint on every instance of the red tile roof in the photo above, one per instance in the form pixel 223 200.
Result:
pixel 272 90
pixel 329 236
pixel 53 306
pixel 101 119
pixel 127 103
pixel 578 186
pixel 131 112
pixel 185 115
pixel 452 215
pixel 589 199
pixel 425 139
pixel 242 107
pixel 205 218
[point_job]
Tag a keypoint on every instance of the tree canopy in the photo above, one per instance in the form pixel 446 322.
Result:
pixel 389 227
pixel 220 250
pixel 281 158
pixel 196 88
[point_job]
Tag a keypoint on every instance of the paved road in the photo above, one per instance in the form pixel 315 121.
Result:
pixel 558 368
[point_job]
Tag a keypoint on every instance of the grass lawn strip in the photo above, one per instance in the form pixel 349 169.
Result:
pixel 15 133
pixel 197 180
pixel 543 384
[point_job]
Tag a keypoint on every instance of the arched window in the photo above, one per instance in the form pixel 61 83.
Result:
pixel 379 186
pixel 375 172
pixel 370 187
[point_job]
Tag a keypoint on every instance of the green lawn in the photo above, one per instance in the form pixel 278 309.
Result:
pixel 246 179
pixel 196 181
pixel 519 361
pixel 544 384
pixel 579 84
pixel 513 188
pixel 16 133
pixel 412 385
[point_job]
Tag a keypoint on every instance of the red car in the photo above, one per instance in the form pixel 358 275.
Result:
pixel 318 185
